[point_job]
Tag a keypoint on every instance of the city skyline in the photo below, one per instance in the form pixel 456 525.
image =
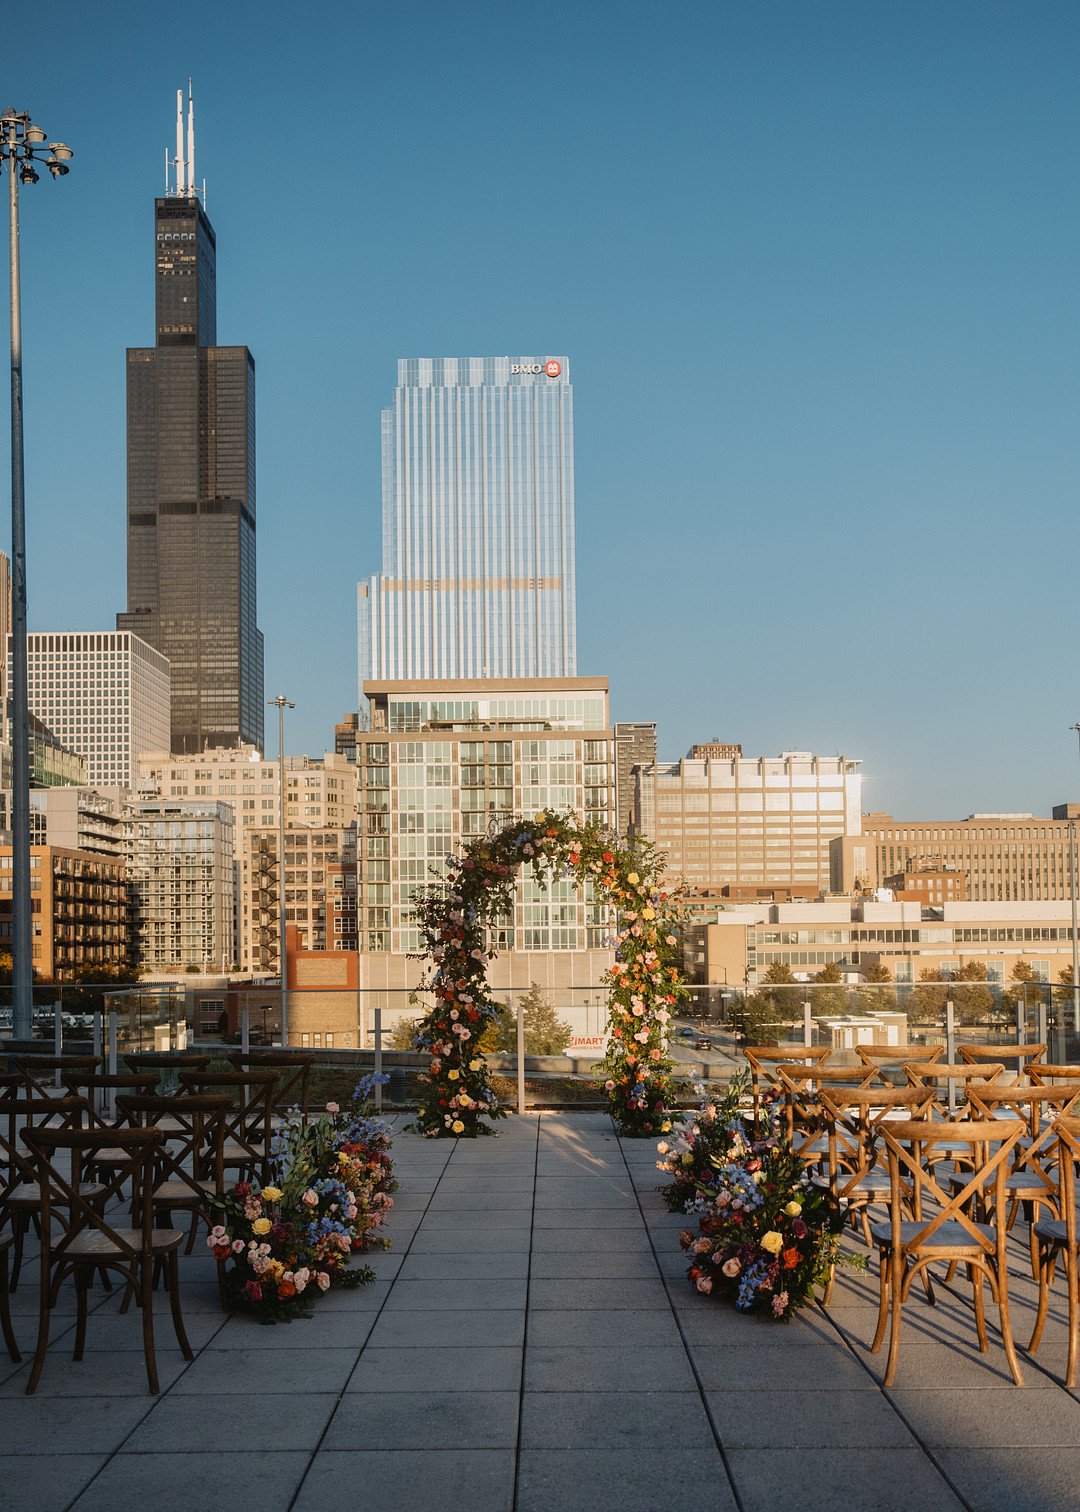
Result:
pixel 810 269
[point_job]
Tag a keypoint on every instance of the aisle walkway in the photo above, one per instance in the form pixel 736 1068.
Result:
pixel 533 1345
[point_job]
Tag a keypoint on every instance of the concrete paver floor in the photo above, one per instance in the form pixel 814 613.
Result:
pixel 532 1345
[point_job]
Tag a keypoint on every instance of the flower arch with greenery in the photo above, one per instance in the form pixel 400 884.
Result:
pixel 455 917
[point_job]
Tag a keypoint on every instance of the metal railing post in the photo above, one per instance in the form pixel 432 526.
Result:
pixel 808 1026
pixel 1021 1023
pixel 520 1058
pixel 378 1059
pixel 58 1032
pixel 950 1050
pixel 245 1031
pixel 1040 1020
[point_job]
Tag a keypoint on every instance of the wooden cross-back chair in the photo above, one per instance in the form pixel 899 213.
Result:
pixel 167 1064
pixel 942 1228
pixel 857 1180
pixel 90 1240
pixel 293 1071
pixel 802 1111
pixel 249 1126
pixel 764 1059
pixel 20 1197
pixel 1044 1074
pixel 1056 1238
pixel 1017 1059
pixel 42 1073
pixel 1030 1182
pixel 189 1169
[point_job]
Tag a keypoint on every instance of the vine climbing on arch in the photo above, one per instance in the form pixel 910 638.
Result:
pixel 456 917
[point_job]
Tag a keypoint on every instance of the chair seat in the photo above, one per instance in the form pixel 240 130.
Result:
pixel 28 1195
pixel 872 1184
pixel 175 1193
pixel 94 1245
pixel 1024 1184
pixel 1052 1230
pixel 237 1154
pixel 951 1235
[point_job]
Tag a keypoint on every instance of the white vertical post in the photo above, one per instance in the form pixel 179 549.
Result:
pixel 378 1058
pixel 808 1026
pixel 520 1058
pixel 1021 1023
pixel 58 1032
pixel 950 1050
pixel 1040 1019
pixel 245 1030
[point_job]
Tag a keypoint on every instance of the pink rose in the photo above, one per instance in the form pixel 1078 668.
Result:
pixel 310 1198
pixel 704 1284
pixel 731 1267
pixel 332 1108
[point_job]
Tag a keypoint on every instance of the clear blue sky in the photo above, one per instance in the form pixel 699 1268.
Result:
pixel 816 266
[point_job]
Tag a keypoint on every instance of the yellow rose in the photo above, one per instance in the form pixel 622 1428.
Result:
pixel 275 1269
pixel 793 1209
pixel 474 1065
pixel 539 818
pixel 773 1242
pixel 648 913
pixel 633 879
pixel 453 1075
pixel 665 1127
pixel 261 1226
pixel 457 1126
pixel 271 1194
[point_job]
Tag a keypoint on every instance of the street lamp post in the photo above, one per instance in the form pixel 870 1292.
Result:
pixel 21 146
pixel 282 703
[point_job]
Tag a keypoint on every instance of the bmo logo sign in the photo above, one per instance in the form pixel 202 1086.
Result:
pixel 550 369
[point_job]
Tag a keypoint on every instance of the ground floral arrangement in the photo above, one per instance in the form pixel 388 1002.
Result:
pixel 767 1236
pixel 455 918
pixel 282 1244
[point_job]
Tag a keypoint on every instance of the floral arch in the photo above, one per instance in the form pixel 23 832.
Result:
pixel 455 917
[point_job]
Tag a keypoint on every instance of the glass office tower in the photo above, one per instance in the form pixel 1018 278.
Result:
pixel 477 577
pixel 191 495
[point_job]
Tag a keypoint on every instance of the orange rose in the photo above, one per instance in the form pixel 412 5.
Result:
pixel 286 1290
pixel 791 1258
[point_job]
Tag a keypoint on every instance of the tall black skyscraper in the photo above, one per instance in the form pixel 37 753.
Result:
pixel 191 485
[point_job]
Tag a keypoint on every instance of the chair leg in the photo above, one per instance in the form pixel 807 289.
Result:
pixel 883 1301
pixel 5 1310
pixel 1074 1290
pixel 1045 1276
pixel 46 1297
pixel 1006 1328
pixel 146 1285
pixel 82 1289
pixel 980 1312
pixel 895 1288
pixel 174 1300
pixel 18 1228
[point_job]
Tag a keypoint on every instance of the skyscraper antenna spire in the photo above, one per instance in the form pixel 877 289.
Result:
pixel 184 161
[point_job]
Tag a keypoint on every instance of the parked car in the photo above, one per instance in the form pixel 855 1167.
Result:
pixel 703 1043
pixel 685 1032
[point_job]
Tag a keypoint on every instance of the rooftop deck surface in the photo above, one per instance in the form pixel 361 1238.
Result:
pixel 532 1343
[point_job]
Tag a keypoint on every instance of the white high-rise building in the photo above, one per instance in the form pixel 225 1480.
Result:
pixel 478 576
pixel 103 694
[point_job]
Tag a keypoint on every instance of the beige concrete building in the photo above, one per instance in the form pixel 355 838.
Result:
pixel 181 872
pixel 320 793
pixel 635 745
pixel 739 945
pixel 749 821
pixel 79 906
pixel 442 762
pixel 1005 857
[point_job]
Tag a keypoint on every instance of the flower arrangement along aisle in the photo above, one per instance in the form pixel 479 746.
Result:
pixel 455 918
pixel 282 1244
pixel 767 1235
pixel 715 1135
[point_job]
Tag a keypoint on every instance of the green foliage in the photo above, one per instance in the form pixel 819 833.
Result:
pixel 403 1034
pixel 973 1000
pixel 878 996
pixel 829 996
pixel 545 1032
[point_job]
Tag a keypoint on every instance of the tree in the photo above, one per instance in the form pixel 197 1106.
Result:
pixel 403 1033
pixel 973 999
pixel 878 996
pixel 831 996
pixel 776 1003
pixel 928 1002
pixel 1024 986
pixel 545 1032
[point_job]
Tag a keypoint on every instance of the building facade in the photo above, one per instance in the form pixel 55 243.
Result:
pixel 635 745
pixel 103 695
pixel 739 946
pixel 320 865
pixel 79 910
pixel 441 764
pixel 182 886
pixel 191 589
pixel 478 565
pixel 319 793
pixel 1005 857
pixel 749 821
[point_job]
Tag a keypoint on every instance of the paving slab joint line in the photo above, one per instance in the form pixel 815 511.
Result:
pixel 371 1330
pixel 849 1344
pixel 665 1281
pixel 525 1332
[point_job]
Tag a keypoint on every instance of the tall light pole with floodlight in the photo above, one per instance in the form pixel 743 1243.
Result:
pixel 281 703
pixel 22 146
